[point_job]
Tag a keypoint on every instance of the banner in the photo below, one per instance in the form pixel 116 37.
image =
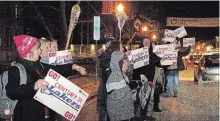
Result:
pixel 193 22
pixel 96 30
pixel 180 32
pixel 62 96
pixel 166 52
pixel 60 57
pixel 140 57
pixel 189 42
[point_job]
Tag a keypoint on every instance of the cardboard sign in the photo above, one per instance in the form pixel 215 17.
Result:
pixel 180 32
pixel 60 57
pixel 189 42
pixel 169 58
pixel 140 57
pixel 62 96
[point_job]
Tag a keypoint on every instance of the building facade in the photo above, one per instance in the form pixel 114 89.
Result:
pixel 11 24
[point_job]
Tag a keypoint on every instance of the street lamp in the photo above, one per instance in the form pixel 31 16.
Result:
pixel 122 17
pixel 154 37
pixel 120 8
pixel 144 29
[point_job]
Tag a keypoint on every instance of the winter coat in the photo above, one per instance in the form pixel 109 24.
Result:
pixel 180 63
pixel 119 99
pixel 103 65
pixel 27 109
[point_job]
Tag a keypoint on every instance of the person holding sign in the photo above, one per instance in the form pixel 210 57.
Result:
pixel 65 70
pixel 27 109
pixel 172 72
pixel 149 72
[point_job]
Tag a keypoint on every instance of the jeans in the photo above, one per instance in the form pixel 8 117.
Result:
pixel 172 77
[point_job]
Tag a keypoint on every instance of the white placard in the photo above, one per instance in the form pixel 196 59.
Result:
pixel 96 29
pixel 140 57
pixel 60 57
pixel 189 42
pixel 169 36
pixel 169 58
pixel 166 52
pixel 62 96
pixel 180 32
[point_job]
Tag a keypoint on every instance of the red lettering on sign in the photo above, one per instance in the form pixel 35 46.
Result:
pixel 69 115
pixel 54 75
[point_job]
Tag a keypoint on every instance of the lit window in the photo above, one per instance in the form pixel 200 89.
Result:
pixel 16 10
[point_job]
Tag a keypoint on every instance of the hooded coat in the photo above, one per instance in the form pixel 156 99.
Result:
pixel 119 99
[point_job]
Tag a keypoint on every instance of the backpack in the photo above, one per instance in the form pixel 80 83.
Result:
pixel 7 105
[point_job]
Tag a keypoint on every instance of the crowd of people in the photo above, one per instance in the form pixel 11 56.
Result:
pixel 33 56
pixel 122 94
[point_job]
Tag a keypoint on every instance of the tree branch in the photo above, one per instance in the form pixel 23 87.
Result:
pixel 49 6
pixel 41 18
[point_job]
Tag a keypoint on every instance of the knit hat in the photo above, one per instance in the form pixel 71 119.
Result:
pixel 24 44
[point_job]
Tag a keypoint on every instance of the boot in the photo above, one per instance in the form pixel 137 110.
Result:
pixel 150 118
pixel 157 109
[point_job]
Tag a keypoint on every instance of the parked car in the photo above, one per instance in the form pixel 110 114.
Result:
pixel 207 68
pixel 193 59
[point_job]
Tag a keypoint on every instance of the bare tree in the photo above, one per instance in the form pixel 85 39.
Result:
pixel 41 19
pixel 63 25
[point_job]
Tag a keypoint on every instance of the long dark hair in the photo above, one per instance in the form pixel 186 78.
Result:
pixel 115 46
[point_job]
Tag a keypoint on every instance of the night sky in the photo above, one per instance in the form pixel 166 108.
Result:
pixel 200 9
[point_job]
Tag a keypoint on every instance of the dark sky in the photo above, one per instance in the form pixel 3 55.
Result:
pixel 200 9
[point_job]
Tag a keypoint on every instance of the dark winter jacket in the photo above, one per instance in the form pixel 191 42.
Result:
pixel 180 63
pixel 27 109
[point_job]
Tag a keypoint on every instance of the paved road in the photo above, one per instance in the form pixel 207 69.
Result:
pixel 194 103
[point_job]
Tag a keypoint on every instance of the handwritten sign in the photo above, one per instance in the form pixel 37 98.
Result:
pixel 189 42
pixel 62 96
pixel 180 32
pixel 140 57
pixel 60 57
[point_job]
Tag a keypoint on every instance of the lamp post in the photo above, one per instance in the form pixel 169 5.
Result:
pixel 122 17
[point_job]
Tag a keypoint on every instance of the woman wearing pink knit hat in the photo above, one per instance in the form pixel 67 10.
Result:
pixel 27 109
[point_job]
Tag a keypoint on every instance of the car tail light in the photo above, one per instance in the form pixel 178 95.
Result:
pixel 202 68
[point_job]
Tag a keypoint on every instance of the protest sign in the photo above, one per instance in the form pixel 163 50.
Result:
pixel 62 96
pixel 180 32
pixel 188 42
pixel 169 36
pixel 166 52
pixel 140 57
pixel 169 58
pixel 60 57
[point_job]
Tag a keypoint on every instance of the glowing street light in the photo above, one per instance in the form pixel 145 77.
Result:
pixel 144 28
pixel 120 8
pixel 154 37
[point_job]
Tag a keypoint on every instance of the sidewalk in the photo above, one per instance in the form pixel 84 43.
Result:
pixel 194 103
